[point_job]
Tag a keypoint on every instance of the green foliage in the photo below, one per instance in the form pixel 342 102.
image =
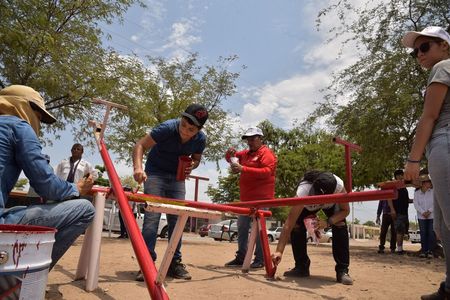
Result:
pixel 154 97
pixel 227 190
pixel 377 101
pixel 356 221
pixel 129 181
pixel 370 223
pixel 55 47
pixel 21 183
pixel 101 180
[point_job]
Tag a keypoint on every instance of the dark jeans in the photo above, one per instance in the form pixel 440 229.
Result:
pixel 427 236
pixel 385 223
pixel 340 243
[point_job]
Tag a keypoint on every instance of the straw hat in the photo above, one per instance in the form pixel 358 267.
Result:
pixel 33 97
pixel 424 178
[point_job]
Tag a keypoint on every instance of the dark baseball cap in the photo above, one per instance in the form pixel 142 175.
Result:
pixel 197 113
pixel 324 184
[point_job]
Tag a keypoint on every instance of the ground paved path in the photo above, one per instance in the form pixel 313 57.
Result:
pixel 376 276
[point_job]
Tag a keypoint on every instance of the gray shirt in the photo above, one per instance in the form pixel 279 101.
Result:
pixel 441 73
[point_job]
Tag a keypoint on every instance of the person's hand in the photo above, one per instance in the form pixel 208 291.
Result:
pixel 426 214
pixel 276 257
pixel 236 167
pixel 411 171
pixel 377 221
pixel 139 175
pixel 322 224
pixel 85 184
pixel 188 169
pixel 231 152
pixel 393 215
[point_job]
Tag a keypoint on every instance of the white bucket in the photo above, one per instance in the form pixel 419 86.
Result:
pixel 25 255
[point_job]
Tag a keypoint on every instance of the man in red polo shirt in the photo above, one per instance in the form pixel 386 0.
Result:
pixel 256 166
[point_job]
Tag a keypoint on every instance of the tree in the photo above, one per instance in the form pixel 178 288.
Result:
pixel 101 180
pixel 370 223
pixel 377 101
pixel 156 96
pixel 55 47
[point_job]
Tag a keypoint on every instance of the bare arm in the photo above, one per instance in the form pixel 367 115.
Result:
pixel 286 232
pixel 434 98
pixel 140 147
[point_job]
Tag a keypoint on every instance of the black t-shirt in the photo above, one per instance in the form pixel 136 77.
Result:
pixel 402 202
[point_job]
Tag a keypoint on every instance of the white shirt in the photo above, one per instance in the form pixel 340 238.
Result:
pixel 303 190
pixel 83 168
pixel 423 202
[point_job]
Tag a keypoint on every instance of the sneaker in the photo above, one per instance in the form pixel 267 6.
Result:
pixel 139 276
pixel 423 255
pixel 178 270
pixel 392 251
pixel 235 263
pixel 256 265
pixel 401 252
pixel 344 278
pixel 380 251
pixel 296 273
pixel 441 294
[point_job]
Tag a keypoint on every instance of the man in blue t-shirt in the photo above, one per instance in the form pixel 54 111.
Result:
pixel 168 141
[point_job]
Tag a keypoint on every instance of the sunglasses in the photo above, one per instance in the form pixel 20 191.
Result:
pixel 424 48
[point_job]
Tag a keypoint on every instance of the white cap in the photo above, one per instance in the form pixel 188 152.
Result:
pixel 252 131
pixel 433 31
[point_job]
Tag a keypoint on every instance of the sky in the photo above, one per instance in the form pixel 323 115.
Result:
pixel 288 61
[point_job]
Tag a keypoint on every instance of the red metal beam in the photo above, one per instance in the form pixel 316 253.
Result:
pixel 331 198
pixel 188 203
pixel 146 264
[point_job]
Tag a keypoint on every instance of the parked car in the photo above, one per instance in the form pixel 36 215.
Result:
pixel 224 230
pixel 111 220
pixel 414 236
pixel 274 234
pixel 203 230
pixel 325 236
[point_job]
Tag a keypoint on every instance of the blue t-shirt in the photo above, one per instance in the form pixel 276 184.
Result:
pixel 163 157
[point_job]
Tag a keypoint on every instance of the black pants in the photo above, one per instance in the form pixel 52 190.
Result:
pixel 387 221
pixel 340 243
pixel 123 229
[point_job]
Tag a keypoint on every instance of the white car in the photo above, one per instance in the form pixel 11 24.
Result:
pixel 414 236
pixel 227 230
pixel 274 234
pixel 325 237
pixel 111 220
pixel 224 230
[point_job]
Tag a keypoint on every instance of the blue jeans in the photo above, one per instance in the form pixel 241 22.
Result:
pixel 427 237
pixel 165 186
pixel 438 154
pixel 243 225
pixel 70 218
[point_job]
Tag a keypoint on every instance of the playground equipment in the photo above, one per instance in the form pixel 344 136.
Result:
pixel 88 265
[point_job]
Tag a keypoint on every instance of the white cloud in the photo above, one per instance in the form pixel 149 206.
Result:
pixel 182 37
pixel 135 38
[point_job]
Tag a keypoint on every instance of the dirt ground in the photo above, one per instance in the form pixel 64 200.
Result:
pixel 376 276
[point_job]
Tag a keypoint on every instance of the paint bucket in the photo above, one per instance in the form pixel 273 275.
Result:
pixel 25 256
pixel 183 162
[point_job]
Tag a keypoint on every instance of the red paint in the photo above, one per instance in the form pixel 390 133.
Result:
pixel 25 229
pixel 17 250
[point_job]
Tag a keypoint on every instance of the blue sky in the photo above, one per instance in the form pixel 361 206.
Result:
pixel 288 60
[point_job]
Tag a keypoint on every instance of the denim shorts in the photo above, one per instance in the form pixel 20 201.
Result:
pixel 401 224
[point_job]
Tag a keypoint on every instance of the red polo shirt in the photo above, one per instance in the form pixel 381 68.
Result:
pixel 257 180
